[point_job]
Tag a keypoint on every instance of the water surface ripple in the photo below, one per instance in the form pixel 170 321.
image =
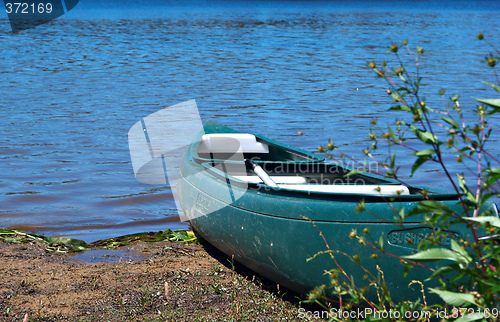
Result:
pixel 71 89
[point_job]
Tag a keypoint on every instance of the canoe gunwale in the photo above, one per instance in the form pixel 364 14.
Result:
pixel 312 160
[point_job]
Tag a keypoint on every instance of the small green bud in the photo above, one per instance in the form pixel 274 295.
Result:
pixel 420 50
pixel 441 92
pixel 330 146
pixel 394 48
pixel 405 42
pixel 480 36
pixel 454 98
pixel 492 62
pixel 372 65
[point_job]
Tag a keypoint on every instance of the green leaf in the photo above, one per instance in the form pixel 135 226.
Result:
pixel 456 248
pixel 470 317
pixel 400 108
pixel 444 270
pixel 455 299
pixel 352 172
pixel 436 254
pixel 424 136
pixel 424 153
pixel 494 170
pixel 423 208
pixel 452 122
pixel 492 220
pixel 490 180
pixel 496 87
pixel 418 163
pixel 493 102
pixel 391 133
pixel 468 194
pixel 436 206
pixel 393 159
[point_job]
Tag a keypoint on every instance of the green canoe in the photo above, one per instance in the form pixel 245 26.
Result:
pixel 275 230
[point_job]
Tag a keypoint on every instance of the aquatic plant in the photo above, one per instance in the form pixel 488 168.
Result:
pixel 468 279
pixel 69 245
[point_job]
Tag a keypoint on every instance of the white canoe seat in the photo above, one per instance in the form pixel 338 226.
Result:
pixel 369 190
pixel 224 143
pixel 277 179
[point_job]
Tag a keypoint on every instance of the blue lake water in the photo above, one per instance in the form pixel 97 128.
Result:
pixel 71 89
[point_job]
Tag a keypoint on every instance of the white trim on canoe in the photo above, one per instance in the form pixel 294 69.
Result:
pixel 277 179
pixel 225 143
pixel 299 183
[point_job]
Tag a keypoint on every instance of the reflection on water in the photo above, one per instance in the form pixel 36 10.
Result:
pixel 108 255
pixel 71 90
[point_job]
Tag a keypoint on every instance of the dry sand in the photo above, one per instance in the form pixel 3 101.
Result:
pixel 140 282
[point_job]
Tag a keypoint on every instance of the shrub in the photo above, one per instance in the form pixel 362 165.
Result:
pixel 468 275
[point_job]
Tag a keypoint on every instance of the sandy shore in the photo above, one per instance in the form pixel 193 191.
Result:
pixel 163 281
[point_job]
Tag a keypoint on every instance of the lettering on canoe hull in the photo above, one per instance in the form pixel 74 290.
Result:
pixel 411 238
pixel 202 205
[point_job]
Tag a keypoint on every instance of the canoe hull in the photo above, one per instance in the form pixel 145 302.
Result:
pixel 280 248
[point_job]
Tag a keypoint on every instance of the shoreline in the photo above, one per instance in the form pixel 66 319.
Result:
pixel 157 281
